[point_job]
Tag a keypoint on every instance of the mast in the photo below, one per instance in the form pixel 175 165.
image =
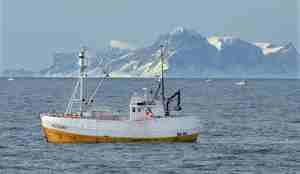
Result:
pixel 162 77
pixel 80 93
pixel 83 66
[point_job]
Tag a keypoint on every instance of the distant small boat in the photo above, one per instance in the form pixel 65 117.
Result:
pixel 208 80
pixel 10 79
pixel 241 83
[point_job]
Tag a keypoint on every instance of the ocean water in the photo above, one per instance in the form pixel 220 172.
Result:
pixel 253 129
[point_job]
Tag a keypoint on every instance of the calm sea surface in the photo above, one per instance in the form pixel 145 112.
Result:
pixel 253 129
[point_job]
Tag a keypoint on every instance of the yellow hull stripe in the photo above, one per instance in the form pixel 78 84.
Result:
pixel 61 137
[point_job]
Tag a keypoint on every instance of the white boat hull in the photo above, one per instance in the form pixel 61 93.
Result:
pixel 79 130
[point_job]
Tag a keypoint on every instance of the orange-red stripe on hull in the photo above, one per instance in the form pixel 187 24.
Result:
pixel 61 137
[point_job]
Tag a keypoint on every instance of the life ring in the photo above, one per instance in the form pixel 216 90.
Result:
pixel 149 114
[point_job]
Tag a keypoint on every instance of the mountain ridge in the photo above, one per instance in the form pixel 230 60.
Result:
pixel 189 55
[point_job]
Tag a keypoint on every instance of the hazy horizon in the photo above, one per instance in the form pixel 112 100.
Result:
pixel 33 30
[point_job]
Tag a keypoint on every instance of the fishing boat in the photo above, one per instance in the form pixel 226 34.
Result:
pixel 150 117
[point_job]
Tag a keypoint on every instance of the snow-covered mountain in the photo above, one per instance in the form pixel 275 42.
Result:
pixel 189 55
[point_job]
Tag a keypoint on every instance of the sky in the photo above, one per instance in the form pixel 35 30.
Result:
pixel 33 30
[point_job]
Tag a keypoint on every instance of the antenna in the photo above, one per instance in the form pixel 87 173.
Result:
pixel 166 48
pixel 162 76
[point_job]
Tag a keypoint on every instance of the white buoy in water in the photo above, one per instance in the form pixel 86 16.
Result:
pixel 241 83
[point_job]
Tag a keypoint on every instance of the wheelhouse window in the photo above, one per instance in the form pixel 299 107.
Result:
pixel 139 109
pixel 133 109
